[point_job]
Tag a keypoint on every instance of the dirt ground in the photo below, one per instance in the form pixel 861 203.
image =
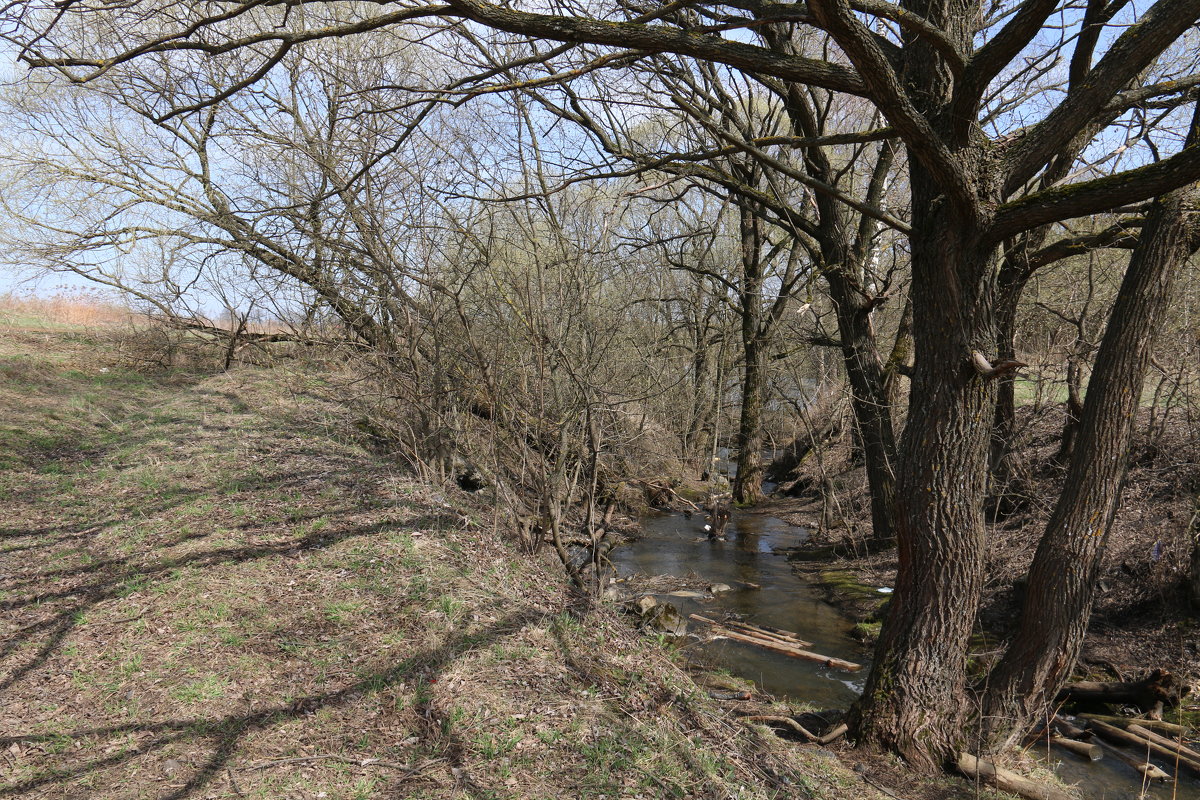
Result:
pixel 212 589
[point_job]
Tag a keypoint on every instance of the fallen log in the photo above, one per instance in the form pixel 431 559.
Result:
pixel 1159 686
pixel 764 632
pixel 1186 755
pixel 787 722
pixel 1002 779
pixel 767 632
pixel 1123 722
pixel 1150 771
pixel 1083 749
pixel 781 647
pixel 1143 730
pixel 1144 745
pixel 1067 736
pixel 1067 729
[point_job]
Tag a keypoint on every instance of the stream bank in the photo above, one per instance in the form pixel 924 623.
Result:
pixel 825 602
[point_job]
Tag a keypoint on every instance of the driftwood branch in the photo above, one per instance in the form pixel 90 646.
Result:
pixel 989 370
pixel 836 733
pixel 1002 779
pixel 787 722
pixel 1144 745
pixel 1088 750
pixel 1149 771
pixel 787 648
pixel 1153 724
pixel 1175 750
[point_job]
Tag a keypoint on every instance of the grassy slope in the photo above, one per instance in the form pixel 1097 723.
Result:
pixel 209 589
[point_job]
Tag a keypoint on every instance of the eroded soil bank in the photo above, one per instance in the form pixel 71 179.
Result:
pixel 1142 618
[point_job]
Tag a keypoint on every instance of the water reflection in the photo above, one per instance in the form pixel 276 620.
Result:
pixel 675 545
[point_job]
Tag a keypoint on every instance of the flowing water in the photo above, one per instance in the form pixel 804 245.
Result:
pixel 674 544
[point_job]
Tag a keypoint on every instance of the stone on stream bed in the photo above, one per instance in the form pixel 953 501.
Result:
pixel 860 601
pixel 661 617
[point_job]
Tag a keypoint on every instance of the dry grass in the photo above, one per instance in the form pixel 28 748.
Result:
pixel 78 307
pixel 211 589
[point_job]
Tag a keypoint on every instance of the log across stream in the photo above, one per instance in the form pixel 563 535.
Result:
pixel 670 546
pixel 673 544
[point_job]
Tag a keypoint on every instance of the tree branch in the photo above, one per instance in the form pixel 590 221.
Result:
pixel 1123 235
pixel 889 96
pixel 1001 49
pixel 918 25
pixel 1101 194
pixel 1133 51
pixel 798 176
pixel 659 39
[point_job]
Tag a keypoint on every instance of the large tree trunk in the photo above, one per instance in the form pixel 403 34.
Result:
pixel 1005 471
pixel 914 703
pixel 869 400
pixel 914 700
pixel 1061 582
pixel 747 484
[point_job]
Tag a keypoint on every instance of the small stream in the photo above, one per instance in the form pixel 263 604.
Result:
pixel 674 544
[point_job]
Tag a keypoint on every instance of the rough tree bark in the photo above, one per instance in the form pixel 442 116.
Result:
pixel 1062 577
pixel 747 484
pixel 914 699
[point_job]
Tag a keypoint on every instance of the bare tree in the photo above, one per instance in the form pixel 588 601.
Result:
pixel 956 82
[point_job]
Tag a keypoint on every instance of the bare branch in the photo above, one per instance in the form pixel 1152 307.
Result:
pixel 1101 194
pixel 1135 49
pixel 659 39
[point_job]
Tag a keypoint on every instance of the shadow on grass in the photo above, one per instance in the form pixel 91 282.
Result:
pixel 20 580
pixel 225 733
pixel 87 595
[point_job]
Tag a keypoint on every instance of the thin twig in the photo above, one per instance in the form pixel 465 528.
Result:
pixel 361 762
pixel 786 721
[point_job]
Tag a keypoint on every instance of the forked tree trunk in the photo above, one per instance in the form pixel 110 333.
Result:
pixel 1061 583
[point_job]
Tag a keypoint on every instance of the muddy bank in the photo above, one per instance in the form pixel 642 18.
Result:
pixel 1142 616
